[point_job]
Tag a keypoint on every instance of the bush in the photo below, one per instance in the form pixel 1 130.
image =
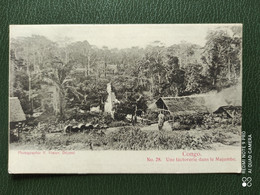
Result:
pixel 131 138
pixel 152 116
pixel 118 124
pixel 119 116
pixel 107 118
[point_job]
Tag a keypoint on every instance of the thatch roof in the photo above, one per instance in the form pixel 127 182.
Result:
pixel 229 110
pixel 184 105
pixel 15 110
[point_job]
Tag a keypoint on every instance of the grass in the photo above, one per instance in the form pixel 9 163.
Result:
pixel 132 138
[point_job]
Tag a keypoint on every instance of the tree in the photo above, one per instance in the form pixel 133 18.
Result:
pixel 29 55
pixel 222 57
pixel 195 81
pixel 134 104
pixel 153 66
pixel 174 83
pixel 58 75
pixel 84 54
pixel 77 73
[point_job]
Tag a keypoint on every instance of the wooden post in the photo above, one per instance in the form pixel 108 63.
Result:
pixel 233 117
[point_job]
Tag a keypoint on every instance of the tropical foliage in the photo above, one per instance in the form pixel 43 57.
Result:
pixel 54 77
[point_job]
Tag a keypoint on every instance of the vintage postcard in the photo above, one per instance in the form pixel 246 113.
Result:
pixel 145 98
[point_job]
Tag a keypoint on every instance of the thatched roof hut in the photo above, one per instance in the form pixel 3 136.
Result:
pixel 229 110
pixel 184 105
pixel 16 113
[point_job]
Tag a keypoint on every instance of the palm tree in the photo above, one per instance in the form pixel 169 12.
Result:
pixel 58 76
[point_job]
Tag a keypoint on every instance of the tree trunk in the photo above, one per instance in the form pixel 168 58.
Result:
pixel 177 91
pixel 229 71
pixel 66 57
pixel 85 69
pixel 29 80
pixel 88 63
pixel 105 69
pixel 152 87
pixel 34 62
pixel 61 105
pixel 159 78
pixel 56 101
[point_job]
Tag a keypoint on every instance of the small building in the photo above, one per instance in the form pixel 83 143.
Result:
pixel 16 113
pixel 184 105
pixel 229 111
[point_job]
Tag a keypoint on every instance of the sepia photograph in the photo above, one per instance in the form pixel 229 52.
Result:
pixel 149 87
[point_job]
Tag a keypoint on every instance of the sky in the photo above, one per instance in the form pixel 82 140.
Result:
pixel 120 36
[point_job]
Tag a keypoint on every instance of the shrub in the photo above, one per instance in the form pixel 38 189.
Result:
pixel 118 123
pixel 130 138
pixel 153 116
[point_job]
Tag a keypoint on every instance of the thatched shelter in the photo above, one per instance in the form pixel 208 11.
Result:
pixel 185 105
pixel 16 113
pixel 229 110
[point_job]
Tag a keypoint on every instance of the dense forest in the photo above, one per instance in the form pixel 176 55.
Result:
pixel 55 77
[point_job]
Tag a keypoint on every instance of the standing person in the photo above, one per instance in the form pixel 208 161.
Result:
pixel 134 117
pixel 160 121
